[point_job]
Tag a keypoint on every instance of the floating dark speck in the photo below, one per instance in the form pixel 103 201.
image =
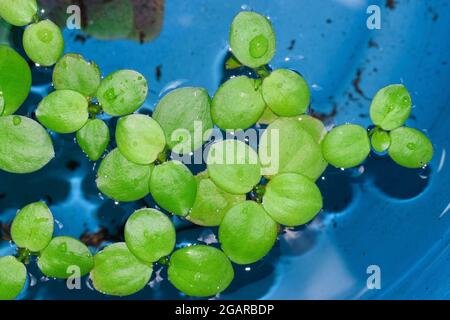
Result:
pixel 158 72
pixel 391 4
pixel 292 45
pixel 72 165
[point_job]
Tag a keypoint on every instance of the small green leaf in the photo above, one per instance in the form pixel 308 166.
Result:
pixel 346 146
pixel 93 138
pixel 25 146
pixel 43 43
pixel 173 187
pixel 313 126
pixel 13 276
pixel 118 272
pixel 140 138
pixel 247 233
pixel 15 79
pixel 63 111
pixel 200 271
pixel 237 104
pixel 287 146
pixel 122 92
pixel 286 93
pixel 233 166
pixel 185 116
pixel 232 63
pixel 150 235
pixel 267 117
pixel 380 140
pixel 72 72
pixel 32 228
pixel 18 12
pixel 62 256
pixel 211 202
pixel 123 180
pixel 391 107
pixel 410 148
pixel 292 199
pixel 252 39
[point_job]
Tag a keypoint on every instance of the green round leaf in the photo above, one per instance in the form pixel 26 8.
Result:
pixel 286 93
pixel 391 107
pixel 93 138
pixel 238 104
pixel 43 43
pixel 65 257
pixel 292 199
pixel 267 117
pixel 118 272
pixel 123 180
pixel 233 166
pixel 410 148
pixel 72 72
pixel 247 233
pixel 122 92
pixel 252 39
pixel 13 276
pixel 380 140
pixel 32 228
pixel 185 116
pixel 211 202
pixel 25 146
pixel 140 138
pixel 150 235
pixel 346 146
pixel 173 187
pixel 63 111
pixel 287 147
pixel 200 271
pixel 18 12
pixel 15 80
pixel 313 126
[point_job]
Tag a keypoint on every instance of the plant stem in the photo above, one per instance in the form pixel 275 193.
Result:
pixel 24 255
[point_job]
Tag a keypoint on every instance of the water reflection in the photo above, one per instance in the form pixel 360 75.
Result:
pixel 139 20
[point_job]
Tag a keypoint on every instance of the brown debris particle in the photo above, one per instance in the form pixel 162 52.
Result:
pixel 373 44
pixel 391 4
pixel 356 82
pixel 325 117
pixel 95 239
pixel 81 38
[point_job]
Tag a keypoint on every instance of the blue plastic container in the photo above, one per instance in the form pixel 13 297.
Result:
pixel 379 214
